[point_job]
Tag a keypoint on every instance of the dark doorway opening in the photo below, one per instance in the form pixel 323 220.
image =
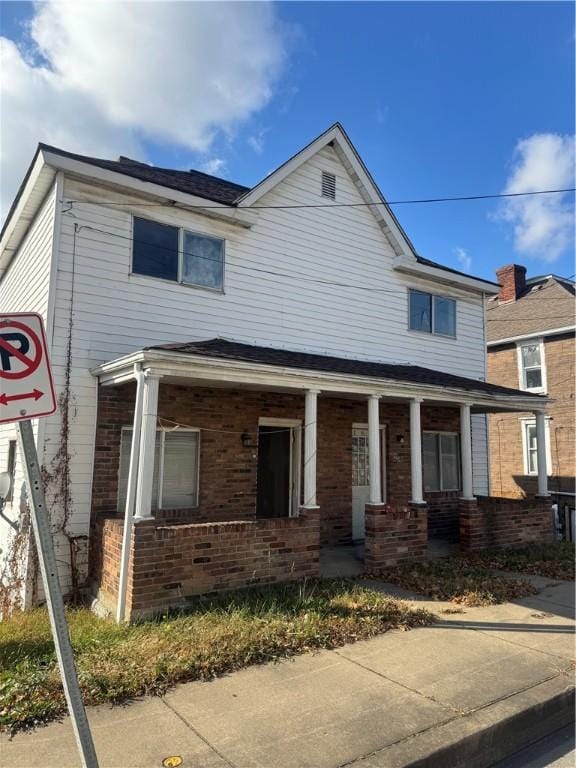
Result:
pixel 274 475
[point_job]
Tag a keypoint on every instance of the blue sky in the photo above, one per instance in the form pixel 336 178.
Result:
pixel 435 96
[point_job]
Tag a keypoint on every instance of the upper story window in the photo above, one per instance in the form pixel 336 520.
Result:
pixel 171 253
pixel 531 366
pixel 432 314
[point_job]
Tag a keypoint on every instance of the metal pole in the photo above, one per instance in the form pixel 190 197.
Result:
pixel 54 601
pixel 130 496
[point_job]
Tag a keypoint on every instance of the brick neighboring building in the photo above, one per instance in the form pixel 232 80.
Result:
pixel 531 345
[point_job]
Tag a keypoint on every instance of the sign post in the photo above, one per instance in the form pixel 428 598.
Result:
pixel 27 392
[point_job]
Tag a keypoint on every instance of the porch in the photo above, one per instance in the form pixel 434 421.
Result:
pixel 213 473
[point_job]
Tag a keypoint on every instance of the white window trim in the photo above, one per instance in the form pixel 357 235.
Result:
pixel 432 331
pixel 163 433
pixel 458 454
pixel 524 424
pixel 181 231
pixel 521 378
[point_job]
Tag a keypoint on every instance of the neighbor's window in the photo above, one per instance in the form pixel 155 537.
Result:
pixel 531 449
pixel 176 461
pixel 11 468
pixel 531 366
pixel 441 461
pixel 176 254
pixel 432 314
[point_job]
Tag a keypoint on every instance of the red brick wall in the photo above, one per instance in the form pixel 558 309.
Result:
pixel 443 515
pixel 171 562
pixel 507 474
pixel 228 470
pixel 394 535
pixel 492 522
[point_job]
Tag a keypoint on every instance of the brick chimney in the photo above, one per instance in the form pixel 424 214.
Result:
pixel 512 279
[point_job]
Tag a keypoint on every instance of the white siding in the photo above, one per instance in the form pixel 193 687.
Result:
pixel 25 288
pixel 480 469
pixel 116 313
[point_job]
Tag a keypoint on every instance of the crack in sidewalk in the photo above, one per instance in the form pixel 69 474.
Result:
pixel 198 734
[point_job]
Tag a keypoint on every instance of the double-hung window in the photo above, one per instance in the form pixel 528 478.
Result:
pixel 530 443
pixel 171 253
pixel 430 313
pixel 176 464
pixel 441 461
pixel 531 366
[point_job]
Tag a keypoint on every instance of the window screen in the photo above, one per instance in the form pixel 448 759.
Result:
pixel 441 461
pixel 180 476
pixel 203 261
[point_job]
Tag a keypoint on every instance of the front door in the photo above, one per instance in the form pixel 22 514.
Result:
pixel 274 471
pixel 361 476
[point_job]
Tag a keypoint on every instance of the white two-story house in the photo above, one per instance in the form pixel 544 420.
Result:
pixel 249 374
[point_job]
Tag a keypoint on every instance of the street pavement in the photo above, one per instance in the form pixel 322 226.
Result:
pixel 381 703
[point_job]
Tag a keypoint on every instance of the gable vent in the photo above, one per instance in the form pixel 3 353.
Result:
pixel 328 185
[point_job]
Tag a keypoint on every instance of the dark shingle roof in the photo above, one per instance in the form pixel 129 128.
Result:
pixel 191 182
pixel 412 374
pixel 545 304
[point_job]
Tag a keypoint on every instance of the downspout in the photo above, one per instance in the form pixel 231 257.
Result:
pixel 130 493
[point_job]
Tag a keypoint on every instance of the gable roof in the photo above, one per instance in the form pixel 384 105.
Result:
pixel 547 303
pixel 237 196
pixel 224 349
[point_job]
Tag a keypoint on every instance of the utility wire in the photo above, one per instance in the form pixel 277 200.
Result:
pixel 300 277
pixel 234 206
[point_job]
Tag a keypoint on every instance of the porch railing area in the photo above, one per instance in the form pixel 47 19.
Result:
pixel 495 522
pixel 171 562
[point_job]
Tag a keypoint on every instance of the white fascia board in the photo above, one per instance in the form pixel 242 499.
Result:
pixel 443 276
pixel 533 335
pixel 21 218
pixel 368 187
pixel 169 364
pixel 230 214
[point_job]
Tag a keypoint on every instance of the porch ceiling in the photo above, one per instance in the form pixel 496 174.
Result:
pixel 220 363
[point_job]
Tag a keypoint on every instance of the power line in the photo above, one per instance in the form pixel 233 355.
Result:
pixel 234 206
pixel 301 277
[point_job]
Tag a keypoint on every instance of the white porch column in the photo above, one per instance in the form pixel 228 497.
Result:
pixel 374 449
pixel 147 448
pixel 416 451
pixel 310 419
pixel 466 452
pixel 541 449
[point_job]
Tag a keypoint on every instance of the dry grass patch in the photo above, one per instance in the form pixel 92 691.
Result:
pixel 215 636
pixel 553 561
pixel 456 580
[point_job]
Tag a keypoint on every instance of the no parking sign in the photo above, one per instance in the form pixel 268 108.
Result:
pixel 26 387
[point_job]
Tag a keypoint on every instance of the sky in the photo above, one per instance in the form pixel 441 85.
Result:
pixel 440 99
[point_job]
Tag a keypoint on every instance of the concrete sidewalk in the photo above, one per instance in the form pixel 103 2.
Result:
pixel 456 693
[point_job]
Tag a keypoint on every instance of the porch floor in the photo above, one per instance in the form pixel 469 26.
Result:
pixel 347 560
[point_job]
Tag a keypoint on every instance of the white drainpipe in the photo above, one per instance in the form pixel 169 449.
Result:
pixel 130 493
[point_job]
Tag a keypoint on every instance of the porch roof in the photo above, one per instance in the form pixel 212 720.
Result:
pixel 406 380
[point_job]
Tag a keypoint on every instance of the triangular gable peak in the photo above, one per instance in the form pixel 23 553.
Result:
pixel 337 138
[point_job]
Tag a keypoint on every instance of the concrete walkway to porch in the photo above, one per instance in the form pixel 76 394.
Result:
pixel 438 693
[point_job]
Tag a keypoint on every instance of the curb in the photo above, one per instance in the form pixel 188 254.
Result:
pixel 484 737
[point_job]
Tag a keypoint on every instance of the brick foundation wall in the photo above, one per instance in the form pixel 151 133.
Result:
pixel 171 562
pixel 443 515
pixel 228 469
pixel 394 535
pixel 491 522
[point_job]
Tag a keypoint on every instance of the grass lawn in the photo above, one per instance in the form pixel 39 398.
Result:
pixel 554 561
pixel 456 579
pixel 217 635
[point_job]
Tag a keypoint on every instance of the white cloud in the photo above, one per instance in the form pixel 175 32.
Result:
pixel 543 225
pixel 214 166
pixel 101 77
pixel 464 258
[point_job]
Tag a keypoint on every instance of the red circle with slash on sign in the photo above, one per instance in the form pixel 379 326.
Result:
pixel 30 363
